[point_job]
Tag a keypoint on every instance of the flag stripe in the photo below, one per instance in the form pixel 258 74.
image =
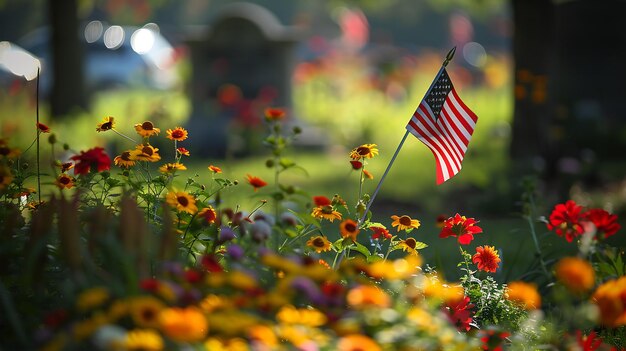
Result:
pixel 448 134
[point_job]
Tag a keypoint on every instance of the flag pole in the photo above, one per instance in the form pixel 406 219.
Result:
pixel 449 57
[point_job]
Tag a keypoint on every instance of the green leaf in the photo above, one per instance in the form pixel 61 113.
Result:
pixel 286 162
pixel 342 244
pixel 363 250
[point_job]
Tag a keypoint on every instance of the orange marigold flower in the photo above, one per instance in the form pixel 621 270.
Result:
pixel 64 181
pixel 524 294
pixel 43 128
pixel 215 169
pixel 380 232
pixel 405 222
pixel 107 124
pixel 182 201
pixel 325 212
pixel 367 174
pixel 184 324
pixel 461 227
pixel 182 151
pixel 125 160
pixel 321 201
pixel 349 228
pixel 610 300
pixel 486 258
pixel 208 214
pixel 319 243
pixel 256 182
pixel 274 114
pixel 566 219
pixel 368 296
pixel 364 151
pixel 172 167
pixel 575 273
pixel 357 342
pixel 178 134
pixel 147 129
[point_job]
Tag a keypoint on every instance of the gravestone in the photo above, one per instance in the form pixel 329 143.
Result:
pixel 241 64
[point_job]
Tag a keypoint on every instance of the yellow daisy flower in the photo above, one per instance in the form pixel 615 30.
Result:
pixel 364 151
pixel 172 167
pixel 107 124
pixel 182 201
pixel 125 160
pixel 144 340
pixel 178 134
pixel 145 311
pixel 409 245
pixel 404 222
pixel 319 243
pixel 325 212
pixel 145 152
pixel 147 129
pixel 349 228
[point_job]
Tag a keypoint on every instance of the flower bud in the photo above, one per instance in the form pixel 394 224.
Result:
pixel 52 139
pixel 297 130
pixel 269 163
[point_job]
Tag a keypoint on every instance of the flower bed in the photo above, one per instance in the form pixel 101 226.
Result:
pixel 125 258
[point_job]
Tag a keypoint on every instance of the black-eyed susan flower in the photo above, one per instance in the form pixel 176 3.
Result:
pixel 349 229
pixel 182 151
pixel 107 124
pixel 404 222
pixel 182 201
pixel 8 152
pixel 325 212
pixel 319 243
pixel 215 169
pixel 145 152
pixel 64 181
pixel 178 134
pixel 256 182
pixel 172 167
pixel 364 151
pixel 43 128
pixel 408 245
pixel 147 129
pixel 207 215
pixel 125 160
pixel 274 114
pixel 143 339
pixel 145 310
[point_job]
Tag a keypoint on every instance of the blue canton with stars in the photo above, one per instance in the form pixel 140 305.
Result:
pixel 437 96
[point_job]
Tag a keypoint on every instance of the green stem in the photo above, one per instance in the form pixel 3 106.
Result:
pixel 124 136
pixel 531 224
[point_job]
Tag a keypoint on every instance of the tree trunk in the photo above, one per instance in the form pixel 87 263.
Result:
pixel 68 93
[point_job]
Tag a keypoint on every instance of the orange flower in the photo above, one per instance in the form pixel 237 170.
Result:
pixel 367 174
pixel 524 294
pixel 486 258
pixel 274 114
pixel 325 212
pixel 178 134
pixel 364 151
pixel 380 232
pixel 357 342
pixel 107 124
pixel 64 181
pixel 184 324
pixel 575 273
pixel 182 151
pixel 147 129
pixel 404 222
pixel 208 214
pixel 256 182
pixel 319 243
pixel 43 128
pixel 349 228
pixel 182 201
pixel 215 169
pixel 610 300
pixel 368 295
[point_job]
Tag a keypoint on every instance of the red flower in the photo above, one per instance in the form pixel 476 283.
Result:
pixel 566 219
pixel 256 182
pixel 211 264
pixel 43 128
pixel 486 258
pixel 380 232
pixel 605 222
pixel 149 284
pixel 356 165
pixel 321 201
pixel 588 342
pixel 274 114
pixel 459 313
pixel 461 227
pixel 90 159
pixel 492 339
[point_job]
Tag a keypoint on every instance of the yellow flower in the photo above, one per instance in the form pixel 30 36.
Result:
pixel 524 294
pixel 178 134
pixel 399 269
pixel 575 273
pixel 263 335
pixel 92 298
pixel 364 151
pixel 184 324
pixel 147 129
pixel 319 243
pixel 349 228
pixel 436 288
pixel 234 344
pixel 325 212
pixel 64 181
pixel 172 167
pixel 409 245
pixel 145 152
pixel 357 342
pixel 368 296
pixel 301 316
pixel 107 124
pixel 182 201
pixel 404 222
pixel 143 340
pixel 145 311
pixel 125 159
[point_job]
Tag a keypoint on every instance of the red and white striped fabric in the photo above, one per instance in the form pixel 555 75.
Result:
pixel 444 124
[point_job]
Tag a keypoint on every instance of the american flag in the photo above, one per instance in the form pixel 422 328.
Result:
pixel 445 125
